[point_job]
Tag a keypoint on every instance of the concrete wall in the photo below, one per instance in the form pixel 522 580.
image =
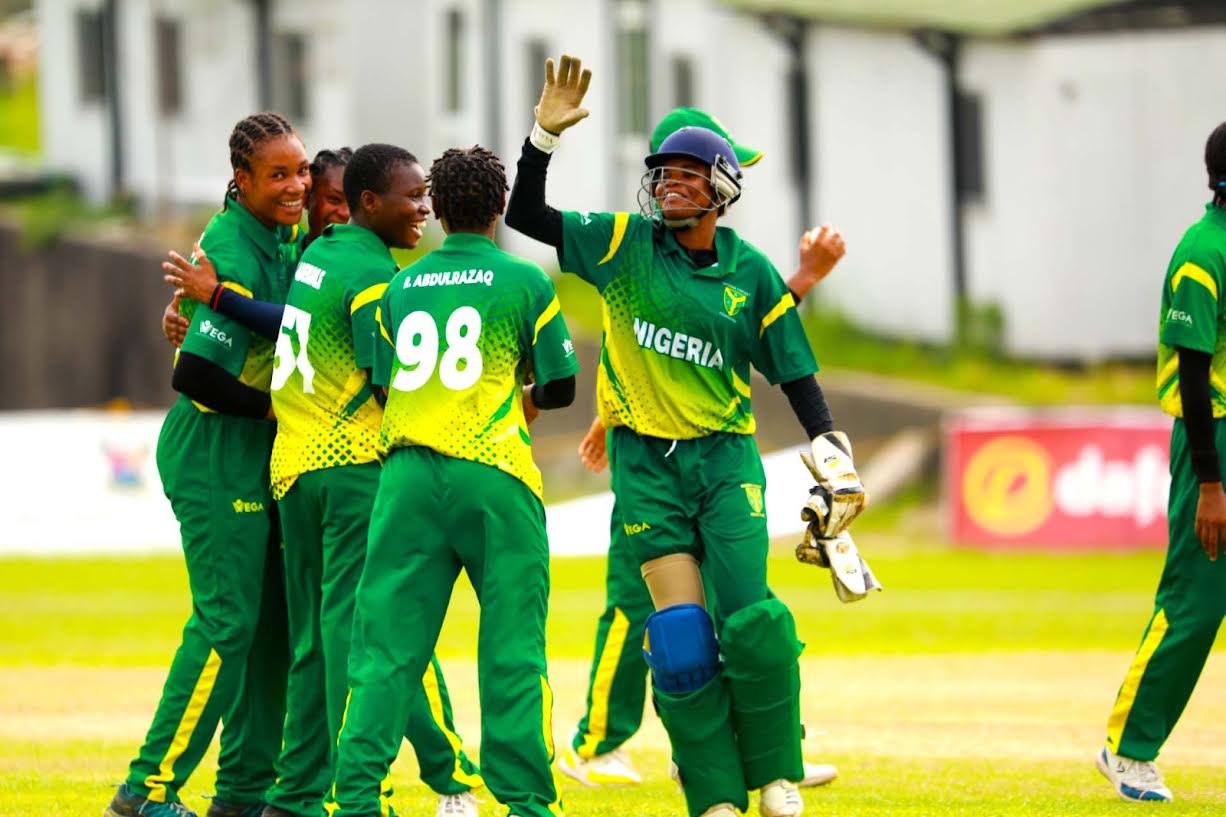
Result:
pixel 881 123
pixel 1094 167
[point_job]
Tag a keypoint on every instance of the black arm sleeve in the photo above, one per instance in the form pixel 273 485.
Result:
pixel 1198 413
pixel 527 211
pixel 809 404
pixel 212 386
pixel 555 394
pixel 795 297
pixel 260 317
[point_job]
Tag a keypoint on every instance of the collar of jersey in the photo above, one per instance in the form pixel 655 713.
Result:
pixel 358 235
pixel 468 241
pixel 267 239
pixel 727 248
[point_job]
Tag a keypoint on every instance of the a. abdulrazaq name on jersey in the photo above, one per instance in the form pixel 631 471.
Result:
pixel 678 345
pixel 435 279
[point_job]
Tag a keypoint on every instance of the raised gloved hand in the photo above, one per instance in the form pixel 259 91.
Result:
pixel 839 497
pixel 853 579
pixel 561 103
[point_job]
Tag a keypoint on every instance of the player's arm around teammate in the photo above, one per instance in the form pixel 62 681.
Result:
pixel 324 473
pixel 1191 597
pixel 196 279
pixel 212 457
pixel 458 332
pixel 688 309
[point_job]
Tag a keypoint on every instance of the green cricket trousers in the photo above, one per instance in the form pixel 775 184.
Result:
pixel 705 497
pixel 232 662
pixel 435 515
pixel 1188 610
pixel 325 518
pixel 617 685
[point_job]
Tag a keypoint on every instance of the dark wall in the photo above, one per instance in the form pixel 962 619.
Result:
pixel 80 325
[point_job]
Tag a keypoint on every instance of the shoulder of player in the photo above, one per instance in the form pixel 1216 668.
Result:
pixel 753 265
pixel 1203 245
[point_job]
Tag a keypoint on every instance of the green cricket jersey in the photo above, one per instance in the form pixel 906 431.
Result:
pixel 461 329
pixel 678 339
pixel 1191 313
pixel 326 414
pixel 250 258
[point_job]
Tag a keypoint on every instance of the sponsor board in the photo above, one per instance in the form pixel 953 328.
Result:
pixel 83 482
pixel 1069 478
pixel 86 482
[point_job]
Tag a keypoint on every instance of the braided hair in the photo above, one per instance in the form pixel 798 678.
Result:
pixel 251 132
pixel 1215 163
pixel 468 185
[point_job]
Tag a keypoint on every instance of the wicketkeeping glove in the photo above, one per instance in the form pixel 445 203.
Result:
pixel 839 496
pixel 562 97
pixel 851 576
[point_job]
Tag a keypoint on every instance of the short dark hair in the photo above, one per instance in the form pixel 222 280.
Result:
pixel 326 159
pixel 370 168
pixel 468 185
pixel 248 134
pixel 1215 163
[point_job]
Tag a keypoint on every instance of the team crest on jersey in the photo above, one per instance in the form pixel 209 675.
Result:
pixel 753 493
pixel 734 300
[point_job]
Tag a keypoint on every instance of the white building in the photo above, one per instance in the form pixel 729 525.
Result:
pixel 1079 125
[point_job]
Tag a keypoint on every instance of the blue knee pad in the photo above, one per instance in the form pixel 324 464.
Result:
pixel 681 648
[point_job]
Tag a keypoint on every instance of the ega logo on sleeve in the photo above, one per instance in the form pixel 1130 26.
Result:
pixel 213 333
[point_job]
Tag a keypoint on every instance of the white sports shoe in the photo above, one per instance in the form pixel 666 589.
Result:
pixel 457 805
pixel 720 810
pixel 780 799
pixel 610 769
pixel 817 774
pixel 1135 780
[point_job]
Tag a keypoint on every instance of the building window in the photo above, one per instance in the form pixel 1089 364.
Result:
pixel 968 146
pixel 455 61
pixel 683 82
pixel 169 82
pixel 632 61
pixel 91 55
pixel 291 76
pixel 537 53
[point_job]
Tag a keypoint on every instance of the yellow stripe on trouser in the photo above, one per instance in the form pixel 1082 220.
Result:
pixel 435 697
pixel 602 684
pixel 187 726
pixel 1132 681
pixel 547 732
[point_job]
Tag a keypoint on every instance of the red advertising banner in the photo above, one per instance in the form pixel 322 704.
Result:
pixel 1087 479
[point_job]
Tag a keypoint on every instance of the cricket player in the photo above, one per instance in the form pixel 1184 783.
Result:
pixel 1191 598
pixel 325 471
pixel 460 330
pixel 212 456
pixel 325 205
pixel 688 308
pixel 618 679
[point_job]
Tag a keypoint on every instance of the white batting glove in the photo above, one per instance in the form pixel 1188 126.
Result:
pixel 851 576
pixel 839 496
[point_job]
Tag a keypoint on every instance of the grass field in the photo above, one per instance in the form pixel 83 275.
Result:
pixel 976 684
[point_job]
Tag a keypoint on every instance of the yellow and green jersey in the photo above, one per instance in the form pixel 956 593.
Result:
pixel 250 258
pixel 679 339
pixel 461 329
pixel 326 413
pixel 1191 314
